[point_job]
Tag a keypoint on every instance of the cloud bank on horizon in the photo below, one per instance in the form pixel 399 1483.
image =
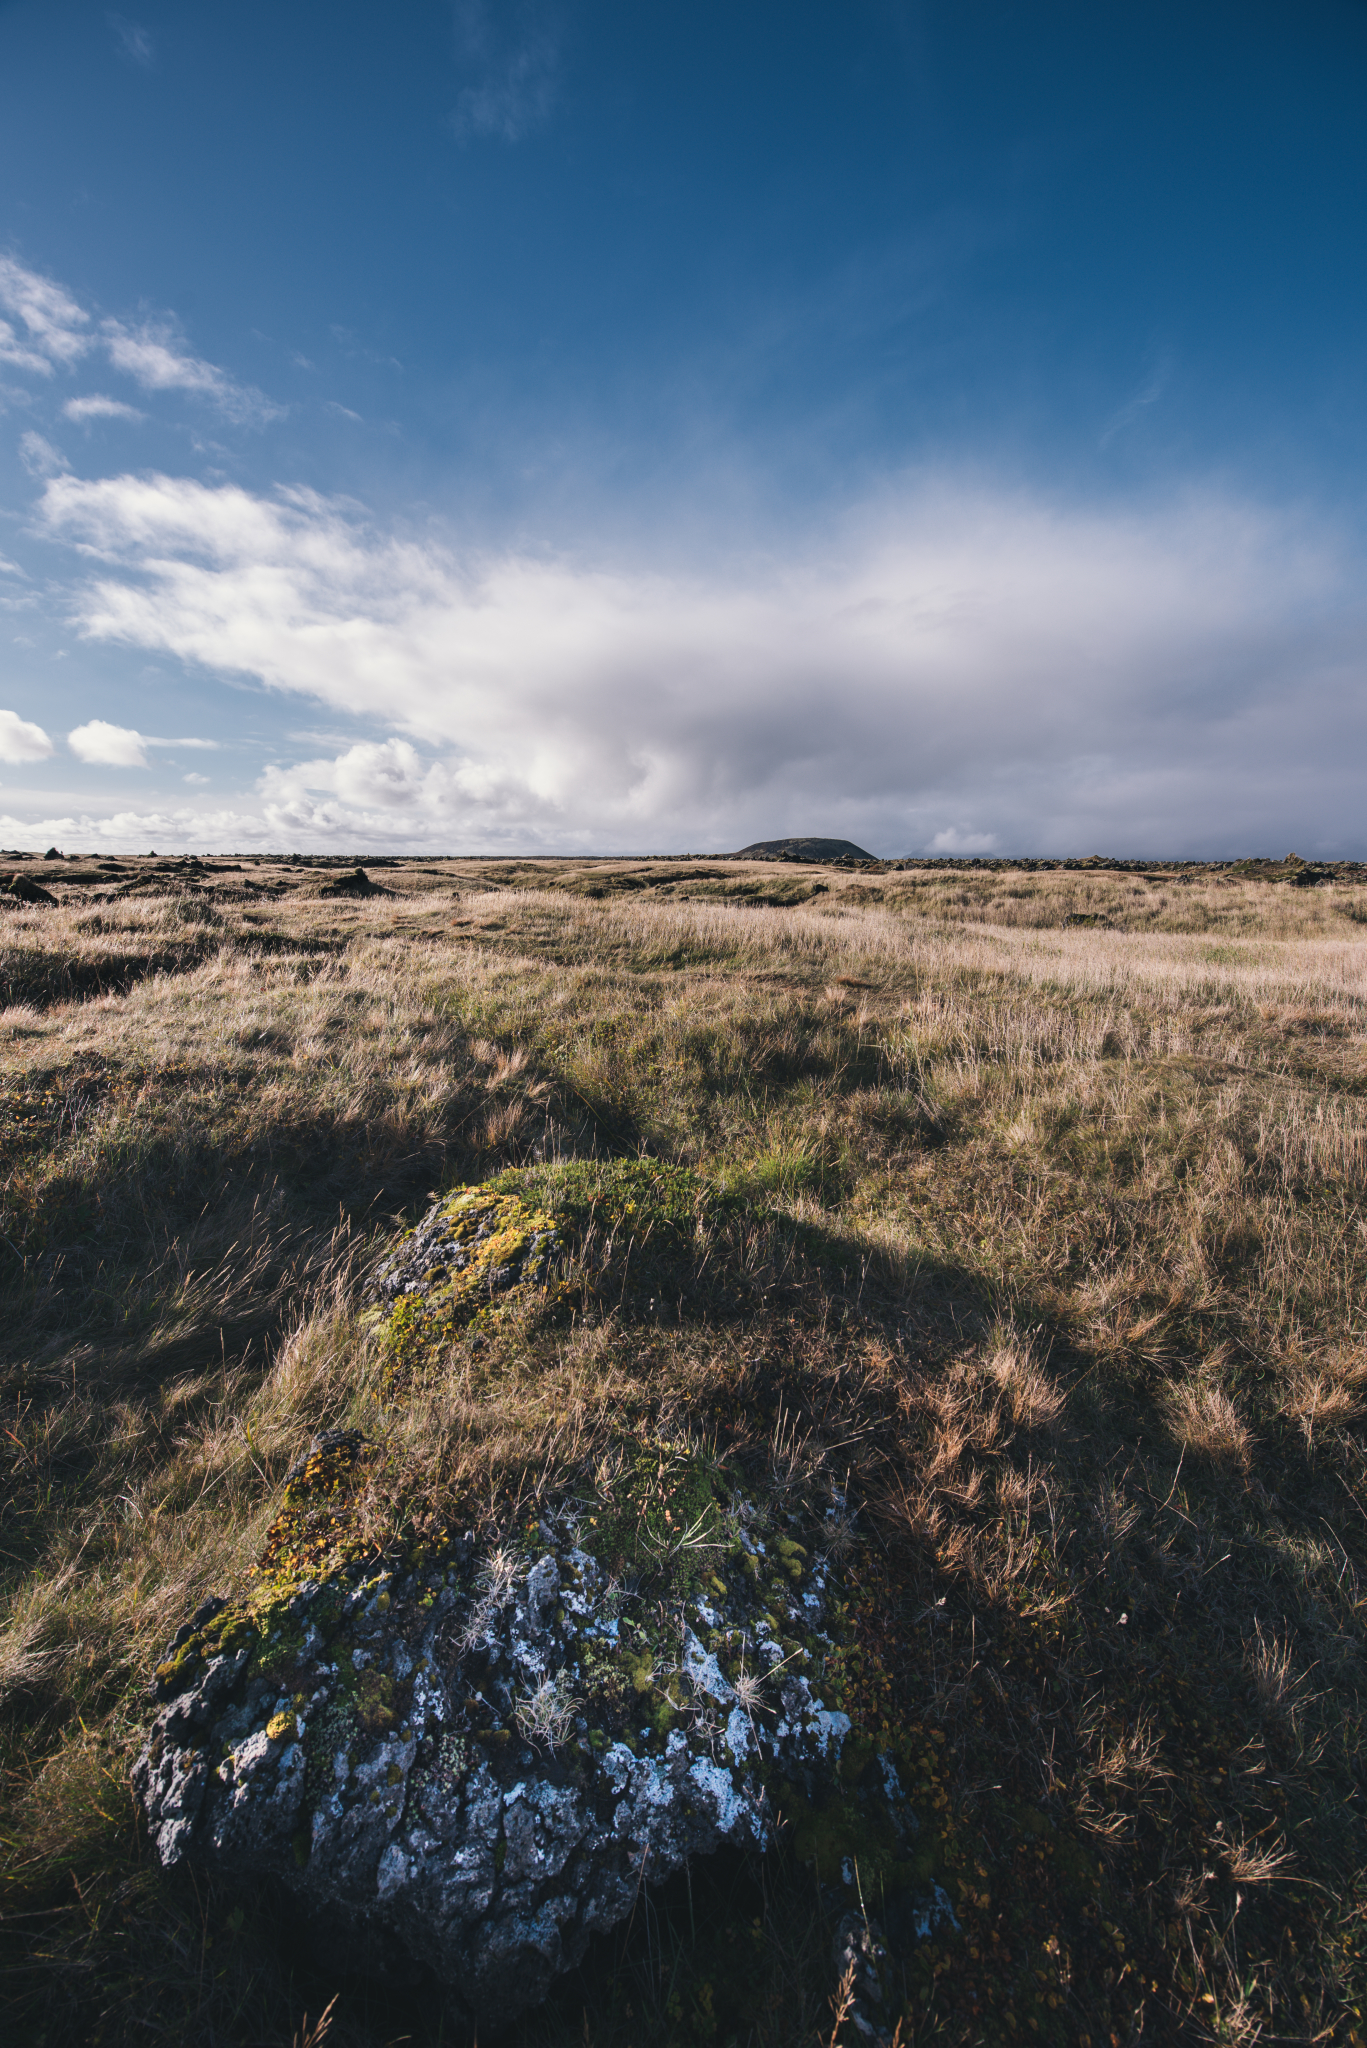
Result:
pixel 951 656
pixel 926 648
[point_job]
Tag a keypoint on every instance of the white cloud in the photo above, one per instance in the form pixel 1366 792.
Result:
pixel 108 746
pixel 120 746
pixel 39 457
pixel 518 53
pixel 98 407
pixel 374 791
pixel 134 40
pixel 53 329
pixel 196 779
pixel 962 840
pixel 178 830
pixel 952 666
pixel 22 741
pixel 154 357
pixel 52 322
pixel 371 775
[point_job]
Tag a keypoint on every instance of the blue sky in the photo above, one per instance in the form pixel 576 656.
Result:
pixel 616 427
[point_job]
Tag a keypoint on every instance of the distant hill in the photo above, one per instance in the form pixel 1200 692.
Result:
pixel 803 849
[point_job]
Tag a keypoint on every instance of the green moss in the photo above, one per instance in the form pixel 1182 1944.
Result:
pixel 663 1511
pixel 646 1195
pixel 375 1701
pixel 494 1229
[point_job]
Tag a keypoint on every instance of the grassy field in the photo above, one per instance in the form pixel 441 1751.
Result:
pixel 1043 1239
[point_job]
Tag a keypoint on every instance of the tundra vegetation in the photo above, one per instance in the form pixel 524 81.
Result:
pixel 1005 1225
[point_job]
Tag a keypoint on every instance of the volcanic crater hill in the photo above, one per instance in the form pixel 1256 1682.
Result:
pixel 802 849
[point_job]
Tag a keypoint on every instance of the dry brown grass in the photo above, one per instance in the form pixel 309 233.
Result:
pixel 1053 1242
pixel 1206 1422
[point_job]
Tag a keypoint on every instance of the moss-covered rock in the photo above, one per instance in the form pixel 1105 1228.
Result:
pixel 487 1744
pixel 475 1251
pixel 489 1750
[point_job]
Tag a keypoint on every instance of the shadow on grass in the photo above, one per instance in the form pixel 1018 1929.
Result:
pixel 1069 1596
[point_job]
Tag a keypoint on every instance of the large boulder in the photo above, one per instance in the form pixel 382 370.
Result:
pixel 19 889
pixel 480 1747
pixel 487 1753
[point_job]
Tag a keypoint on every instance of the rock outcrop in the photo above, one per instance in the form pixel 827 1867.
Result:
pixel 19 889
pixel 355 882
pixel 480 1748
pixel 490 1753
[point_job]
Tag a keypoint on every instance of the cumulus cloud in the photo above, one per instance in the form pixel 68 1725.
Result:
pixel 371 792
pixel 97 407
pixel 176 830
pixel 154 356
pixel 952 666
pixel 20 740
pixel 108 746
pixel 52 323
pixel 517 54
pixel 958 840
pixel 119 746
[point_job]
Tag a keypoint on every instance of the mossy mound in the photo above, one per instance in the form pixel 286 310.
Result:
pixel 484 1738
pixel 477 1252
pixel 542 1239
pixel 19 889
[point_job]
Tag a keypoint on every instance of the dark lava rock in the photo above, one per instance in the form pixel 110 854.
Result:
pixel 424 1752
pixel 20 889
pixel 471 1245
pixel 356 883
pixel 476 1752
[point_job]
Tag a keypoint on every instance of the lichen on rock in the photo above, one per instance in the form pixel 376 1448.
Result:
pixel 488 1744
pixel 491 1752
pixel 475 1249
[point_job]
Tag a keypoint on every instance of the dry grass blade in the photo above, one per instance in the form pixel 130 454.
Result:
pixel 1206 1422
pixel 1031 1397
pixel 842 2003
pixel 312 2034
pixel 1249 1863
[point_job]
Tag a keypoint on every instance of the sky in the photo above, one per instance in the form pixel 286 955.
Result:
pixel 580 426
